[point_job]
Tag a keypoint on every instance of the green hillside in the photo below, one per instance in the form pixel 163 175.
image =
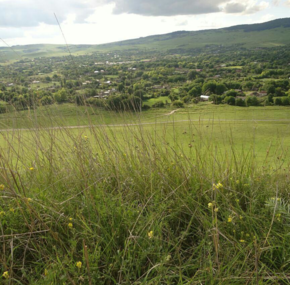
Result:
pixel 269 34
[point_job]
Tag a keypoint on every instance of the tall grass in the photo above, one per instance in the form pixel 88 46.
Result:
pixel 135 205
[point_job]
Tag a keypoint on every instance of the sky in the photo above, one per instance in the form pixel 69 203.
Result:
pixel 102 21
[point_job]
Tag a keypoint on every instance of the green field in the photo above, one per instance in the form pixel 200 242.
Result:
pixel 200 195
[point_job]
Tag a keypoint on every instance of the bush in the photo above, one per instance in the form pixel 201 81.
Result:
pixel 252 101
pixel 230 100
pixel 2 109
pixel 285 101
pixel 216 99
pixel 145 107
pixel 178 104
pixel 240 102
pixel 159 104
pixel 277 101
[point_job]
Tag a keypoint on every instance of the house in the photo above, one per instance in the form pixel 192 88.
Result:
pixel 204 98
pixel 198 70
pixel 35 82
pixel 108 82
pixel 11 84
pixel 96 72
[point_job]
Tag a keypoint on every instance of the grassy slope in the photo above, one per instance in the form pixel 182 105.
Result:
pixel 136 204
pixel 273 35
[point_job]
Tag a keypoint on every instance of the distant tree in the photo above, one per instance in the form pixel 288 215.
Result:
pixel 178 104
pixel 230 100
pixel 240 102
pixel 191 75
pixel 220 89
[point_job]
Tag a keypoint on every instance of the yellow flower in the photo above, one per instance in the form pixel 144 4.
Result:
pixel 2 213
pixel 217 186
pixel 45 272
pixel 230 219
pixel 242 240
pixel 241 217
pixel 210 205
pixel 247 235
pixel 70 225
pixel 2 187
pixel 85 137
pixel 150 234
pixel 5 275
pixel 79 264
pixel 216 210
pixel 168 257
pixel 238 181
pixel 237 200
pixel 70 219
pixel 12 210
pixel 29 200
pixel 31 168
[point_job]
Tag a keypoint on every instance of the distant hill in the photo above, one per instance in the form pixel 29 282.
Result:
pixel 270 34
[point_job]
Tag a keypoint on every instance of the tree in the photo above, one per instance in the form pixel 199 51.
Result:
pixel 195 91
pixel 191 75
pixel 220 89
pixel 209 87
pixel 230 100
pixel 61 96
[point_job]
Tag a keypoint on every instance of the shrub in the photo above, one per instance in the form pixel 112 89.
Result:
pixel 230 100
pixel 178 104
pixel 159 104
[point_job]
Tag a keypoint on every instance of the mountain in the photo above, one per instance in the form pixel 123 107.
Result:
pixel 270 34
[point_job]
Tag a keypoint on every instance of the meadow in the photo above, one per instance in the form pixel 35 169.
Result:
pixel 195 196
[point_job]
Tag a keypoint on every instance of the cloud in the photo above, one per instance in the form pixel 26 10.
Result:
pixel 167 7
pixel 250 8
pixel 235 8
pixel 29 13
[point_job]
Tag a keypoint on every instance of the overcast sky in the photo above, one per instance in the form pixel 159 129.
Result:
pixel 103 21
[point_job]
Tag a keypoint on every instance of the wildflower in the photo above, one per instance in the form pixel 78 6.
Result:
pixel 70 219
pixel 247 235
pixel 217 186
pixel 241 217
pixel 238 181
pixel 2 213
pixel 12 210
pixel 242 240
pixel 29 200
pixel 216 210
pixel 150 234
pixel 70 225
pixel 85 137
pixel 230 219
pixel 237 200
pixel 45 272
pixel 5 275
pixel 2 187
pixel 79 264
pixel 210 205
pixel 168 257
pixel 31 168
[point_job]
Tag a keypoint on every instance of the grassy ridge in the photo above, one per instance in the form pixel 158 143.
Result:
pixel 270 34
pixel 143 205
